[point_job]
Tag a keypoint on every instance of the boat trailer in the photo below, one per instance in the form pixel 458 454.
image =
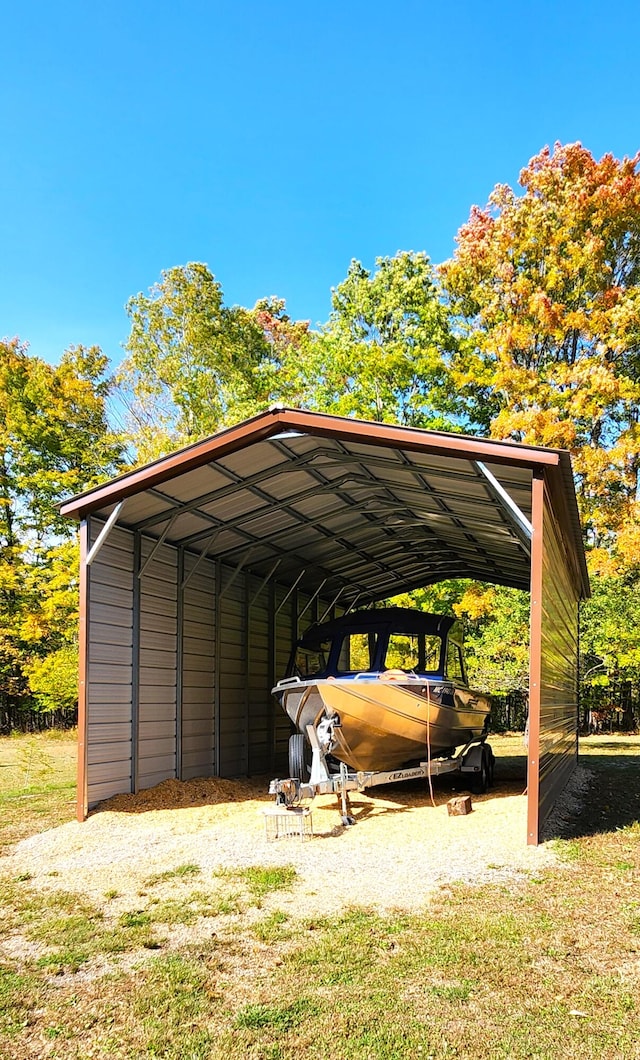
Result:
pixel 475 758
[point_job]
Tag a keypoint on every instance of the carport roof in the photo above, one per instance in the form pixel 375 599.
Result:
pixel 344 506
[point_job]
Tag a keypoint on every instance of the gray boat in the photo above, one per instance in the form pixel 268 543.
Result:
pixel 382 689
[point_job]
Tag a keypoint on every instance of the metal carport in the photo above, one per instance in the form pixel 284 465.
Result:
pixel 197 571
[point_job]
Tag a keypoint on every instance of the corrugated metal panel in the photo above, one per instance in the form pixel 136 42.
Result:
pixel 197 696
pixel 109 673
pixel 260 705
pixel 107 633
pixel 109 669
pixel 160 696
pixel 110 576
pixel 559 670
pixel 198 654
pixel 159 711
pixel 156 623
pixel 111 596
pixel 158 728
pixel 109 778
pixel 109 731
pixel 232 638
pixel 112 654
pixel 109 693
pixel 156 640
pixel 157 673
pixel 284 639
pixel 105 713
pixel 111 752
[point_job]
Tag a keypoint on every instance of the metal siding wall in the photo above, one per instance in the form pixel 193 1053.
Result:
pixel 259 679
pixel 157 669
pixel 232 670
pixel 198 669
pixel 284 639
pixel 559 667
pixel 109 666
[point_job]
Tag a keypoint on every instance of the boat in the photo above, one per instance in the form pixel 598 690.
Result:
pixel 382 690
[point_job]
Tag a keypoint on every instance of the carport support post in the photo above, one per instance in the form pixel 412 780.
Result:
pixel 135 654
pixel 217 712
pixel 246 610
pixel 535 661
pixel 179 661
pixel 271 713
pixel 82 800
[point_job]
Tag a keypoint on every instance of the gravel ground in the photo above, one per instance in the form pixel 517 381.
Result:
pixel 399 853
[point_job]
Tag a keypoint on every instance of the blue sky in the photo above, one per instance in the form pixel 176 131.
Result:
pixel 275 141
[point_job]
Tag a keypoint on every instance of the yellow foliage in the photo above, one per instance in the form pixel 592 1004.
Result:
pixel 476 602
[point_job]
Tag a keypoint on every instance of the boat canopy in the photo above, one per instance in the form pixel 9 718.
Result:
pixel 388 619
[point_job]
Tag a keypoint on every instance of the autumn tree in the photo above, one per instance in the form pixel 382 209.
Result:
pixel 194 364
pixel 54 441
pixel 610 646
pixel 545 288
pixel 381 354
pixel 545 291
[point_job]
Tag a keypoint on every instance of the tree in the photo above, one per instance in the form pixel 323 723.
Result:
pixel 545 287
pixel 496 621
pixel 610 644
pixel 54 440
pixel 381 355
pixel 195 365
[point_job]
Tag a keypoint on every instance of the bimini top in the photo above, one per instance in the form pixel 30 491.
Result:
pixel 381 620
pixel 346 508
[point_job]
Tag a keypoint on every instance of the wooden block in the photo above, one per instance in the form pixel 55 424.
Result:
pixel 459 806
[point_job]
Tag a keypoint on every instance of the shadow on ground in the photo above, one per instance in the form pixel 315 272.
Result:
pixel 612 798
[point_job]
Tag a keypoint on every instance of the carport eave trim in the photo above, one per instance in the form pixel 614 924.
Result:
pixel 274 421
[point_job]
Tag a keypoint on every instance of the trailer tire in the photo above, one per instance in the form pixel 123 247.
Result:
pixel 481 781
pixel 492 764
pixel 298 767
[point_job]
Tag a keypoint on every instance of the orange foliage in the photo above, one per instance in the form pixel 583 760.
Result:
pixel 546 288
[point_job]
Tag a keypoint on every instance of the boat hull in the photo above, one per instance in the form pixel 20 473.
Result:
pixel 386 724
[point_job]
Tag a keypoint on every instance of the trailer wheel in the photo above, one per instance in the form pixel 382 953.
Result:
pixel 492 764
pixel 298 767
pixel 482 780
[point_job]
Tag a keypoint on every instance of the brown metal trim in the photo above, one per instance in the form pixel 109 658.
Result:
pixel 82 798
pixel 264 425
pixel 415 439
pixel 168 467
pixel 565 507
pixel 535 661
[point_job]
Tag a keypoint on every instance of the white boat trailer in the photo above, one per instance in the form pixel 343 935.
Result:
pixel 475 758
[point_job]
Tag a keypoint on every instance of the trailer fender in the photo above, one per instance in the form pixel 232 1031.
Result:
pixel 471 761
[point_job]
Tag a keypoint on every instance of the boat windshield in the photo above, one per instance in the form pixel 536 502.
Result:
pixel 311 661
pixel 413 651
pixel 357 652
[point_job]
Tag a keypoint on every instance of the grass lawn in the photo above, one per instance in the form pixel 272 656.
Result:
pixel 37 783
pixel 548 967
